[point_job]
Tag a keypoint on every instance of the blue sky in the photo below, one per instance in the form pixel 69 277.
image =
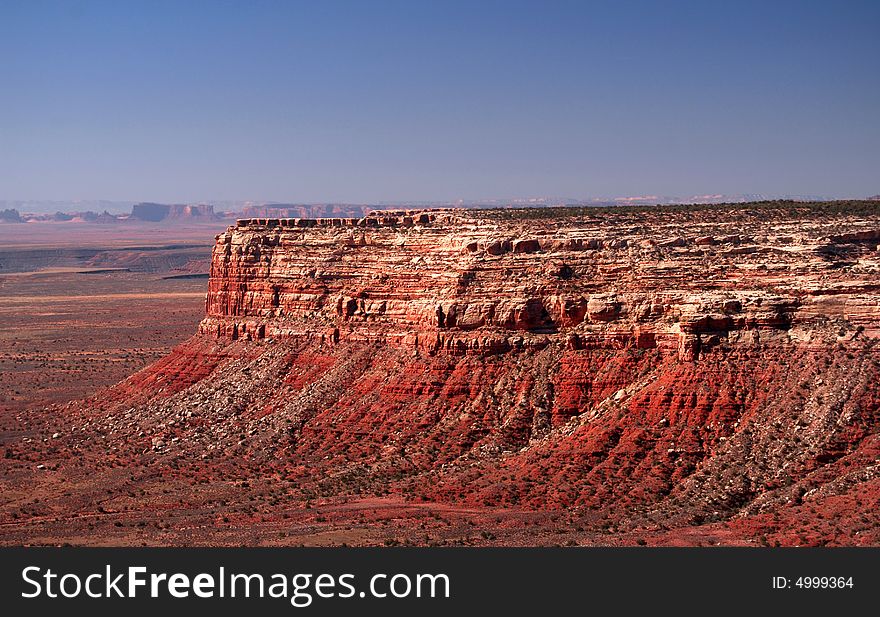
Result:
pixel 393 101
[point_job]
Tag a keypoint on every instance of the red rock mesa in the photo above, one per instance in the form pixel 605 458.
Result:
pixel 676 374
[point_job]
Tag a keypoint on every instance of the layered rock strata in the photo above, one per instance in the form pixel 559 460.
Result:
pixel 467 283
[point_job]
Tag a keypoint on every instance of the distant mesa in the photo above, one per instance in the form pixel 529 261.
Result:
pixel 87 216
pixel 10 216
pixel 159 212
pixel 151 212
pixel 292 211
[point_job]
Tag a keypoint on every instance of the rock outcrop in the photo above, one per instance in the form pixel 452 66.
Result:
pixel 676 374
pixel 469 283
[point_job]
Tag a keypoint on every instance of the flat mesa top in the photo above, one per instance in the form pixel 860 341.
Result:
pixel 383 219
pixel 750 211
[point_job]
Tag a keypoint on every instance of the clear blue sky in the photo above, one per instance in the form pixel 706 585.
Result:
pixel 380 101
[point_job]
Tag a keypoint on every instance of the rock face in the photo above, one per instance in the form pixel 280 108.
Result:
pixel 470 283
pixel 675 374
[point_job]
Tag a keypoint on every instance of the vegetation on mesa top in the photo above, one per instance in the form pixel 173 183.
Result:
pixel 752 209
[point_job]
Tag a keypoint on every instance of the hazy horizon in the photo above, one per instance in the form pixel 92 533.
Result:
pixel 396 102
pixel 123 206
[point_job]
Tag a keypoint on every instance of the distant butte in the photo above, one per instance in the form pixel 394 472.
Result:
pixel 160 212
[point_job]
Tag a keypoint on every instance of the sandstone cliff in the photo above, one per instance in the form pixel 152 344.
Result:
pixel 470 283
pixel 669 373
